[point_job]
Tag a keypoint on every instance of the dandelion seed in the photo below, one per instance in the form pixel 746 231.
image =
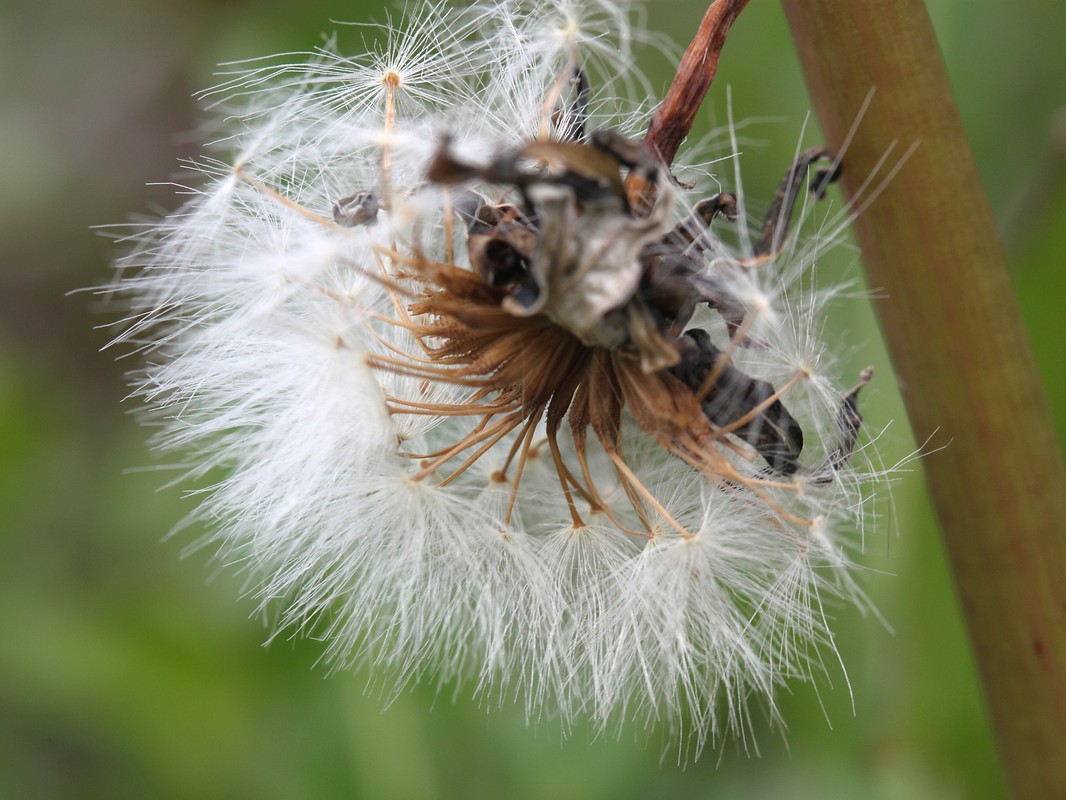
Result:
pixel 485 412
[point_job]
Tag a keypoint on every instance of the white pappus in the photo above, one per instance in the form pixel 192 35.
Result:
pixel 465 411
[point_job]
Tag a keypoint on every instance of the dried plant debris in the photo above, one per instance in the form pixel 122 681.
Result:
pixel 574 252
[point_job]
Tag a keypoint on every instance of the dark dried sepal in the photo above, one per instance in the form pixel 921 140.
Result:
pixel 773 432
pixel 675 278
pixel 778 216
pixel 630 153
pixel 501 243
pixel 849 422
pixel 571 123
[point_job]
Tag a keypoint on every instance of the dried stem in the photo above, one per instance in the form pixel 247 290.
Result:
pixel 963 361
pixel 673 119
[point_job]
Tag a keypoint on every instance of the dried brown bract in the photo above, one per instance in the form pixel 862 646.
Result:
pixel 574 311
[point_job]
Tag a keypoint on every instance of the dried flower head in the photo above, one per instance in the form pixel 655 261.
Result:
pixel 478 395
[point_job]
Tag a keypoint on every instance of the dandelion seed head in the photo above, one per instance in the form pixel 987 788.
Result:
pixel 467 414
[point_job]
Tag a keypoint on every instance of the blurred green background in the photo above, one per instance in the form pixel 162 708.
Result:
pixel 127 671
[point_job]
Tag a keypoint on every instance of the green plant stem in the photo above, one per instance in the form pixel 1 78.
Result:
pixel 962 359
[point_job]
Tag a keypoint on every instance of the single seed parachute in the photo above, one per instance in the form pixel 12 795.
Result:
pixel 477 389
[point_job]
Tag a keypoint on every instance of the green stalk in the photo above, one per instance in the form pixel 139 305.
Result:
pixel 962 359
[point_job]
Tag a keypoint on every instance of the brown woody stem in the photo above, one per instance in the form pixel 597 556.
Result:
pixel 962 357
pixel 673 119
